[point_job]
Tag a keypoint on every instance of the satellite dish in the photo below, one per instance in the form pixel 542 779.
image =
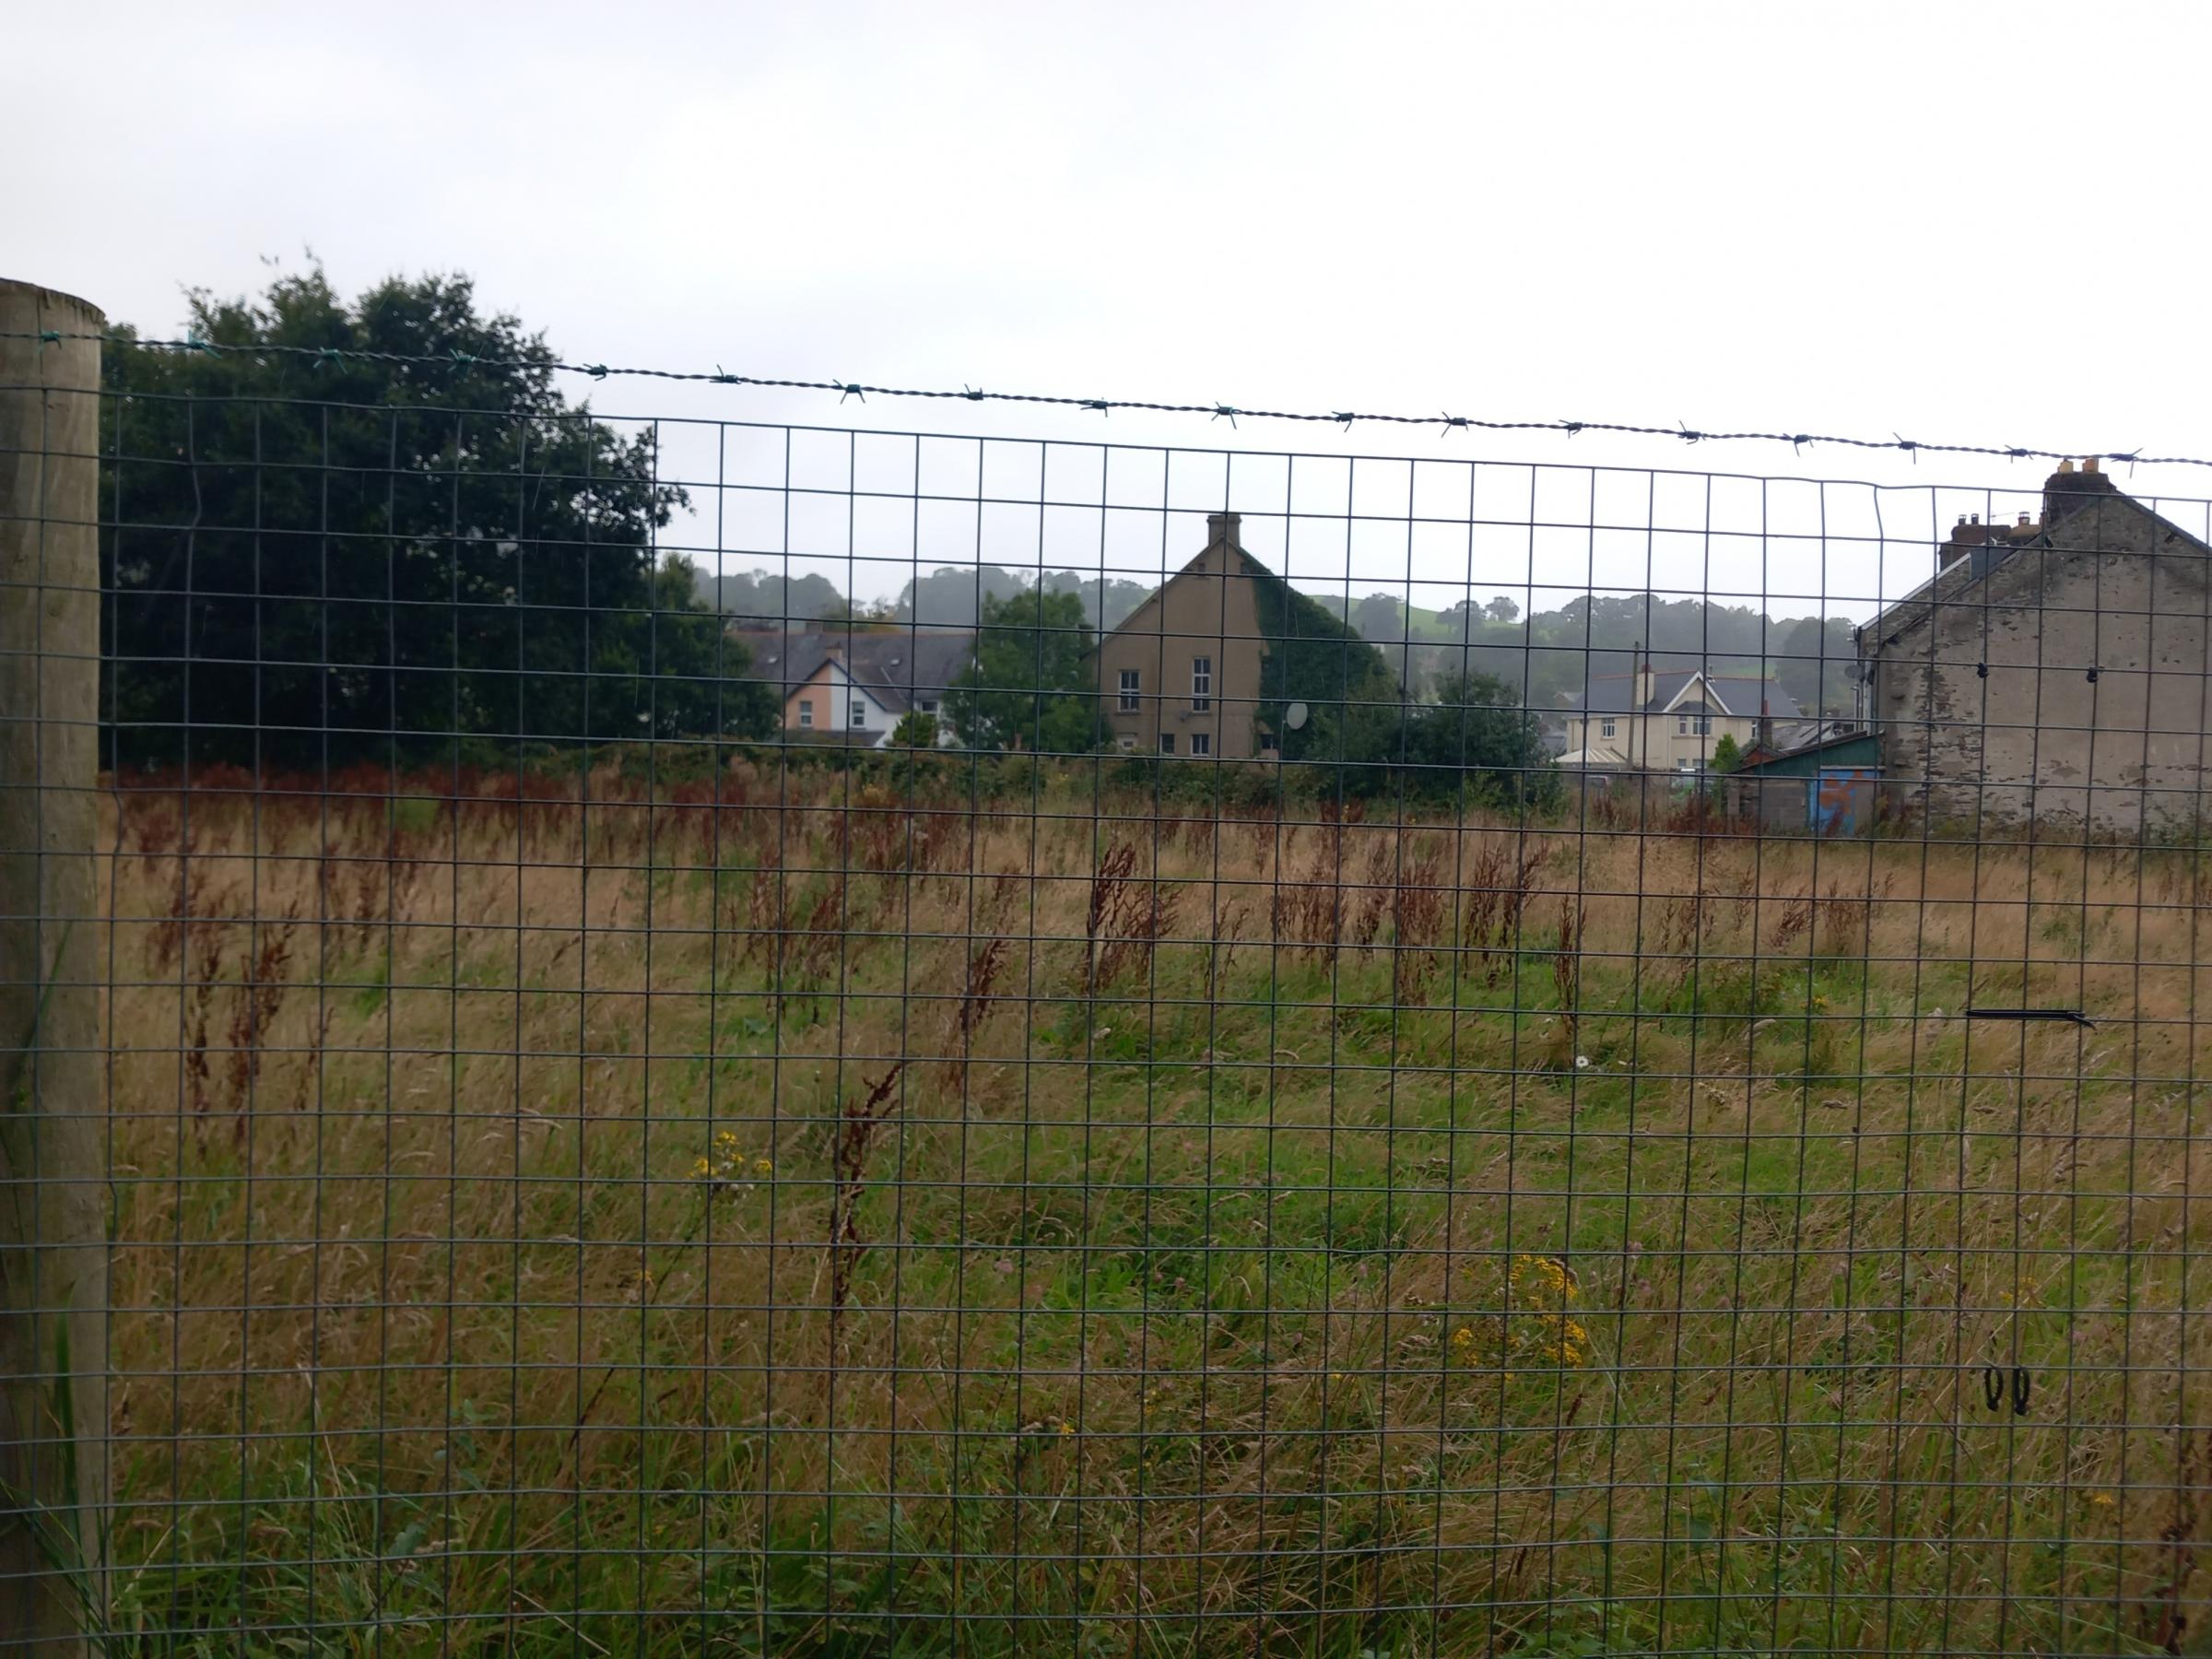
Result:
pixel 1295 716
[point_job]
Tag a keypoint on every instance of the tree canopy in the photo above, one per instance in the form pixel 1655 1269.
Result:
pixel 330 559
pixel 1314 658
pixel 1474 738
pixel 1030 686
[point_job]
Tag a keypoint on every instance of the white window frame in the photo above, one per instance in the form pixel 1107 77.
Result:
pixel 1202 684
pixel 1202 743
pixel 1131 689
pixel 1689 763
pixel 858 717
pixel 806 713
pixel 1607 727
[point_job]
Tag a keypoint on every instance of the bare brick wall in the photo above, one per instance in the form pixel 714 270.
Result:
pixel 2069 685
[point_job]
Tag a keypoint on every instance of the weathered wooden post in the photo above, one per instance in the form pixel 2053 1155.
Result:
pixel 53 1275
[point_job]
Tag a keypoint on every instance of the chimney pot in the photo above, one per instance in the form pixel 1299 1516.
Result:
pixel 1977 518
pixel 2089 465
pixel 2023 520
pixel 2066 467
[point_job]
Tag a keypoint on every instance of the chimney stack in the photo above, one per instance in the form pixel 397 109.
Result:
pixel 1221 530
pixel 1966 533
pixel 2068 491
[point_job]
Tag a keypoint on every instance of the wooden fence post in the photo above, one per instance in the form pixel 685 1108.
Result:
pixel 53 1275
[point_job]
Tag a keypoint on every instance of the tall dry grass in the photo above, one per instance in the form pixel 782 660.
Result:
pixel 559 1214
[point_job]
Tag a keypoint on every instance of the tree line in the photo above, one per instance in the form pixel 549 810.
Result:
pixel 329 554
pixel 1544 656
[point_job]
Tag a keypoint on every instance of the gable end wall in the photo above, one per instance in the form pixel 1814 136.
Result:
pixel 1987 706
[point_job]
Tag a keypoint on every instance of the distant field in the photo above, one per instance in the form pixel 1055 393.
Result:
pixel 793 1220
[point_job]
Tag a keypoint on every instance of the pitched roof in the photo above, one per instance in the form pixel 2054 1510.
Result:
pixel 784 659
pixel 1745 696
pixel 895 667
pixel 1757 759
pixel 1978 550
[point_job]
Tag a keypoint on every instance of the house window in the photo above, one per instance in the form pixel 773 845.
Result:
pixel 1131 684
pixel 1685 725
pixel 1267 743
pixel 860 713
pixel 1202 743
pixel 1167 742
pixel 1202 682
pixel 1127 740
pixel 1606 728
pixel 1689 763
pixel 928 705
pixel 805 711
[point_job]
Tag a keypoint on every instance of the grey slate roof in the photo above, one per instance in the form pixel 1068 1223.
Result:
pixel 897 668
pixel 1741 695
pixel 2064 496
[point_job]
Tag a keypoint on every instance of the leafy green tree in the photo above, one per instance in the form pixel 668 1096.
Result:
pixel 1726 755
pixel 1030 686
pixel 331 558
pixel 760 598
pixel 868 616
pixel 1316 658
pixel 1817 660
pixel 915 730
pixel 1379 620
pixel 955 596
pixel 1476 738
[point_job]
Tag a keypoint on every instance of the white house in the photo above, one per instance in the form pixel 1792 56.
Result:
pixel 1668 719
pixel 855 687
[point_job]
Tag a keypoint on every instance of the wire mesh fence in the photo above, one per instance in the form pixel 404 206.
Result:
pixel 753 1038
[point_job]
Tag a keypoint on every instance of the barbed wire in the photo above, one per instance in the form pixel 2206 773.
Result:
pixel 1446 423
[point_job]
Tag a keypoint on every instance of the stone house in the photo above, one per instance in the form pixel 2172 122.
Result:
pixel 1180 676
pixel 2052 670
pixel 1669 720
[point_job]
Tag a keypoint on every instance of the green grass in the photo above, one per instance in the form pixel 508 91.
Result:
pixel 1225 1219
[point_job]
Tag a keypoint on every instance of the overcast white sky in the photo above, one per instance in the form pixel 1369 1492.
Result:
pixel 1960 222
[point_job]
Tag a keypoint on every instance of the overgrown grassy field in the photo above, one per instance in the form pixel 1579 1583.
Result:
pixel 790 1216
